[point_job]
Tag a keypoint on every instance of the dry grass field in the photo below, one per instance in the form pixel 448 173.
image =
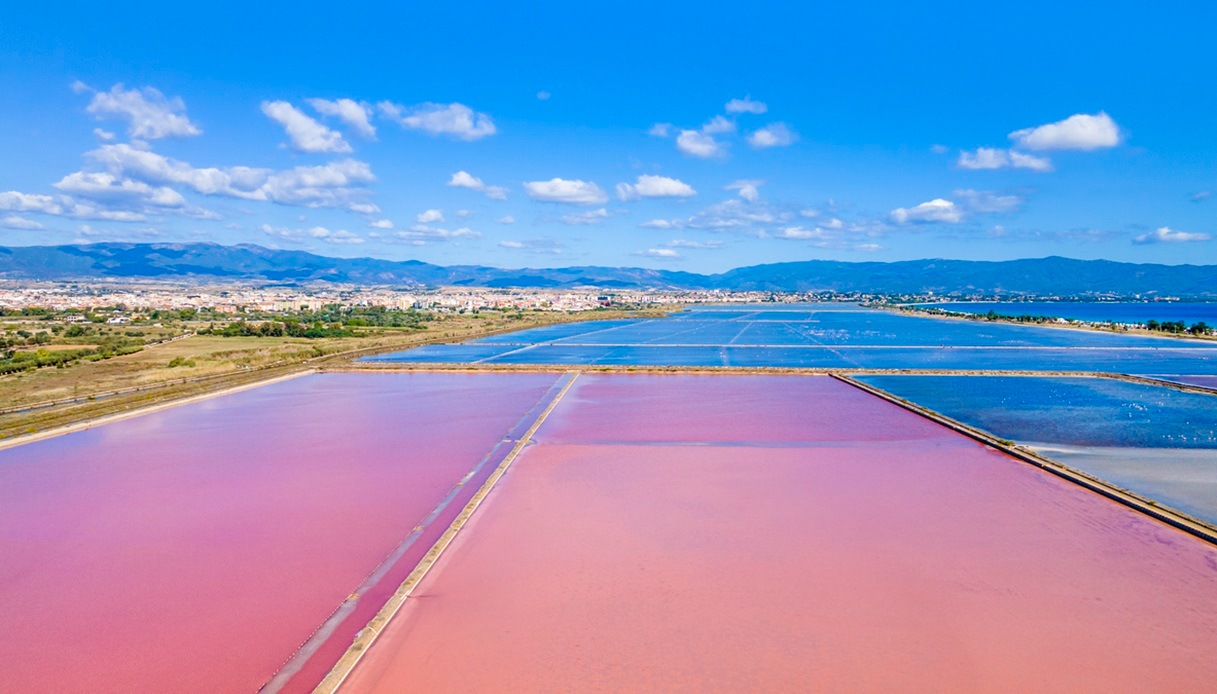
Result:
pixel 45 398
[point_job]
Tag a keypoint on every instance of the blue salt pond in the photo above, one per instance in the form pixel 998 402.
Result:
pixel 1094 311
pixel 835 335
pixel 1156 441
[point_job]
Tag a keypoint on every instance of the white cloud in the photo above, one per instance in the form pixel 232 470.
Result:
pixel 355 114
pixel 698 144
pixel 307 135
pixel 340 236
pixel 660 130
pixel 661 224
pixel 463 179
pixel 14 201
pixel 648 186
pixel 662 253
pixel 16 222
pixel 382 224
pixel 149 115
pixel 746 105
pixel 464 214
pixel 718 125
pixel 107 187
pixel 992 158
pixel 1201 196
pixel 420 234
pixel 334 184
pixel 593 217
pixel 698 245
pixel 429 216
pixel 774 135
pixel 937 210
pixel 799 233
pixel 1077 132
pixel 987 202
pixel 748 190
pixel 1168 235
pixel 543 96
pixel 104 135
pixel 562 190
pixel 1027 161
pixel 456 120
pixel 363 207
pixel 537 246
pixel 507 219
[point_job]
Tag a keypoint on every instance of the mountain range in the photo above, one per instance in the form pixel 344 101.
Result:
pixel 209 262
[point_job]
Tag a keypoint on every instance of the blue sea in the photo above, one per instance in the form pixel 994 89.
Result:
pixel 1094 311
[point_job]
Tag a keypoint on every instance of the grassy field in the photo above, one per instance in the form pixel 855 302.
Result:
pixel 37 400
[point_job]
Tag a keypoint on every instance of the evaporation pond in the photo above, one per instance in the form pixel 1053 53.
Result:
pixel 825 336
pixel 1154 440
pixel 196 548
pixel 786 533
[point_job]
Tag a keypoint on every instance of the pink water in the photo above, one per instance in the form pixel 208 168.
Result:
pixel 196 548
pixel 827 541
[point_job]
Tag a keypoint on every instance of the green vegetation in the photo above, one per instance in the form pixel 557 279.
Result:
pixel 1178 327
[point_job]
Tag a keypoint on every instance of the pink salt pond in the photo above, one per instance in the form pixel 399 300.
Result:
pixel 197 548
pixel 732 533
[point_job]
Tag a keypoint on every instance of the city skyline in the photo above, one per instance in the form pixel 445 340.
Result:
pixel 665 137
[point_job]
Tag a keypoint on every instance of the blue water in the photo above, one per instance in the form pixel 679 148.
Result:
pixel 1071 411
pixel 1120 312
pixel 827 336
pixel 1156 441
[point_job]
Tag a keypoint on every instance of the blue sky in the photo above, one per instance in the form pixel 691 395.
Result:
pixel 669 135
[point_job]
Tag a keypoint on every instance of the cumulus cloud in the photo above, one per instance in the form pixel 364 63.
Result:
pixel 593 217
pixel 575 192
pixel 17 222
pixel 698 144
pixel 463 179
pixel 993 158
pixel 746 105
pixel 1077 132
pixel 149 114
pixel 106 187
pixel 1168 235
pixel 339 236
pixel 507 219
pixel 382 224
pixel 661 224
pixel 307 135
pixel 334 184
pixel 747 190
pixel 648 186
pixel 455 120
pixel 355 114
pixel 429 216
pixel 718 125
pixel 774 135
pixel 936 210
